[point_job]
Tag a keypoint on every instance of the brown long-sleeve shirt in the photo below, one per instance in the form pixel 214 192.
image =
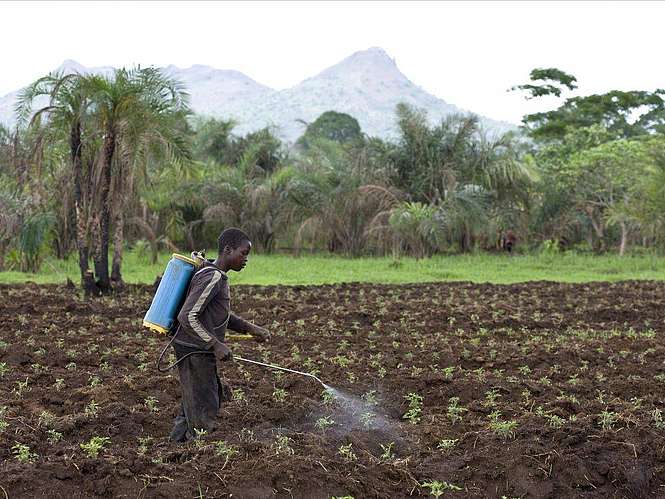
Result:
pixel 206 313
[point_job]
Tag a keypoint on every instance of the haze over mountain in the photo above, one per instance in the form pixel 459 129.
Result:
pixel 367 85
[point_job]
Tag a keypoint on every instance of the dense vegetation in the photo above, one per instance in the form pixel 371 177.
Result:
pixel 100 163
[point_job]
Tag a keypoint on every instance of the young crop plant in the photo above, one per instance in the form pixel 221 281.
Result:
pixel 46 419
pixel 607 420
pixel 282 446
pixel 3 424
pixel 555 421
pixel 447 444
pixel 151 403
pixel 59 384
pixel 367 419
pixel 346 451
pixel 490 398
pixel 144 443
pixel 91 409
pixel 23 453
pixel 505 429
pixel 238 395
pixel 415 407
pixel 199 437
pixel 279 394
pixel 226 451
pixel 388 454
pixel 94 446
pixel 448 372
pixel 323 423
pixel 3 369
pixel 328 398
pixel 437 488
pixel 54 437
pixel 94 380
pixel 455 411
pixel 658 419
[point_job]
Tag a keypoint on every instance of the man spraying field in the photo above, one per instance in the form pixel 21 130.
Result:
pixel 203 320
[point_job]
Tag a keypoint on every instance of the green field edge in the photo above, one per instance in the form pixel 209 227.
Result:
pixel 319 270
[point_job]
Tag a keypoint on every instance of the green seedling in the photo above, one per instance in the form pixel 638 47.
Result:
pixel 505 429
pixel 388 453
pixel 3 369
pixel 151 404
pixel 94 446
pixel 367 419
pixel 437 488
pixel 328 397
pixel 455 411
pixel 282 446
pixel 279 394
pixel 46 419
pixel 54 437
pixel 144 443
pixel 608 419
pixel 92 409
pixel 346 451
pixel 23 453
pixel 59 384
pixel 415 408
pixel 658 419
pixel 324 423
pixel 226 451
pixel 447 444
pixel 238 395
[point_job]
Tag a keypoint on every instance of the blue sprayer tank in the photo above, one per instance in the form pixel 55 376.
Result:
pixel 171 292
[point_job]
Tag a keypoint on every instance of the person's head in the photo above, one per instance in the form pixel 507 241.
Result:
pixel 234 247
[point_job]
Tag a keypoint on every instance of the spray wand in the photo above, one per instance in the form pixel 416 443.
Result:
pixel 272 366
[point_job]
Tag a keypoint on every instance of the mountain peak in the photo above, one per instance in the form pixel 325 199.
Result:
pixel 373 54
pixel 373 63
pixel 70 66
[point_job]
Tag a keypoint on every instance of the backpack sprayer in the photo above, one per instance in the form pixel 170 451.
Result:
pixel 168 300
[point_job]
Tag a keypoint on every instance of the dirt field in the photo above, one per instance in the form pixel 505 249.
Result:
pixel 536 390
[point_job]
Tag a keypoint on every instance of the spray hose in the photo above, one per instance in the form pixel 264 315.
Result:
pixel 207 352
pixel 196 352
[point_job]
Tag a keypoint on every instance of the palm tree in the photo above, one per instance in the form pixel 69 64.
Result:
pixel 63 120
pixel 456 168
pixel 134 111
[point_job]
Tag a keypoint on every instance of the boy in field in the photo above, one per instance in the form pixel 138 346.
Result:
pixel 203 320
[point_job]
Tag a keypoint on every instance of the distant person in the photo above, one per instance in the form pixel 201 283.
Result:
pixel 199 339
pixel 509 241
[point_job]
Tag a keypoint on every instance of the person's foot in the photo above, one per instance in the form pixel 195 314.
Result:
pixel 179 432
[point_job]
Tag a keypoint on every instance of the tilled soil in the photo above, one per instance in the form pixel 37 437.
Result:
pixel 528 390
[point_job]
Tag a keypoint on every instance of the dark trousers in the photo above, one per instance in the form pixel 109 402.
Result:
pixel 202 394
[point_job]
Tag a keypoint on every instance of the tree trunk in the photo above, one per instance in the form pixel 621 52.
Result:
pixel 80 223
pixel 118 222
pixel 598 229
pixel 624 238
pixel 102 260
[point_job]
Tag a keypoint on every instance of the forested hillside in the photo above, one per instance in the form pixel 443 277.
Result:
pixel 99 163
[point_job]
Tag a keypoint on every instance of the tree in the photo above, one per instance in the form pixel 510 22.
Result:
pixel 609 187
pixel 454 167
pixel 64 117
pixel 623 113
pixel 331 125
pixel 133 107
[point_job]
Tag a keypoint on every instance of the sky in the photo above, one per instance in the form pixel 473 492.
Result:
pixel 466 53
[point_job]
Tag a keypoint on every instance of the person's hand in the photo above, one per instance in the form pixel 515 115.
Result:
pixel 222 352
pixel 260 334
